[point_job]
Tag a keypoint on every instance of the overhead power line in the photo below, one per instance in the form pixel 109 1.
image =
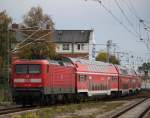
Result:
pixel 122 11
pixel 125 16
pixel 38 39
pixel 117 19
pixel 134 10
pixel 27 38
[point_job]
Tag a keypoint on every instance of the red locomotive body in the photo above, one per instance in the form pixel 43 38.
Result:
pixel 69 78
pixel 29 73
pixel 35 79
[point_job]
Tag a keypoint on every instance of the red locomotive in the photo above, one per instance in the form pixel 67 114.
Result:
pixel 36 81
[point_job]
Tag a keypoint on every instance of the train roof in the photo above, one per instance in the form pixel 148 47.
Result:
pixel 93 66
pixel 125 70
pixel 36 61
pixel 83 61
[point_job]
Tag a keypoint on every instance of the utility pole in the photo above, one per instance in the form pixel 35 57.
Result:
pixel 146 41
pixel 8 55
pixel 109 44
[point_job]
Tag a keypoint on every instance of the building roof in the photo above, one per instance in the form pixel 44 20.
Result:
pixel 71 36
pixel 65 36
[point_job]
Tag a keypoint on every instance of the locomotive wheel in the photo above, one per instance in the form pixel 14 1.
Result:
pixel 81 97
pixel 137 91
pixel 119 94
pixel 113 94
pixel 70 98
pixel 31 103
pixel 77 99
pixel 23 103
pixel 52 99
pixel 131 93
pixel 84 97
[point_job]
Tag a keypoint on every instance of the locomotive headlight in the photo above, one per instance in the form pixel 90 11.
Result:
pixel 19 80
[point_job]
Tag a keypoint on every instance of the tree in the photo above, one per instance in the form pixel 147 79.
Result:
pixel 7 38
pixel 36 18
pixel 102 56
pixel 145 67
pixel 39 27
pixel 1 64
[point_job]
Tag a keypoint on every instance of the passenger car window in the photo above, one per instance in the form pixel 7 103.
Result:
pixel 82 78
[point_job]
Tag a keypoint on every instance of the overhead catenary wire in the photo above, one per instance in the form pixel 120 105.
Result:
pixel 31 42
pixel 148 37
pixel 142 22
pixel 122 11
pixel 125 16
pixel 134 10
pixel 27 38
pixel 117 19
pixel 28 29
pixel 134 13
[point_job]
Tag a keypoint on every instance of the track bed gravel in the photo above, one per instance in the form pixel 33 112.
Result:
pixel 91 109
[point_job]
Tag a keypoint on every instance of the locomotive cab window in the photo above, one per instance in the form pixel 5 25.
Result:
pixel 26 68
pixel 21 69
pixel 34 69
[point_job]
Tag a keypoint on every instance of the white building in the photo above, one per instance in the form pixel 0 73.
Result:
pixel 75 43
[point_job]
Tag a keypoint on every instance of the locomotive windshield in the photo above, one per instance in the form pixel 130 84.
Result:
pixel 28 68
pixel 35 68
pixel 21 69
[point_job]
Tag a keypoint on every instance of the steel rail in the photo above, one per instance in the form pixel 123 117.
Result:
pixel 5 111
pixel 116 115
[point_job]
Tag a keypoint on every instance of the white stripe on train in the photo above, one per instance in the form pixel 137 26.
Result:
pixel 96 73
pixel 22 80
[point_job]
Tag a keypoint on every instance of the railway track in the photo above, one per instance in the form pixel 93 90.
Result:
pixel 136 110
pixel 14 109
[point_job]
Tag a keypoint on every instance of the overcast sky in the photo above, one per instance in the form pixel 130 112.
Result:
pixel 81 14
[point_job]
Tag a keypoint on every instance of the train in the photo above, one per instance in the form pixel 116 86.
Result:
pixel 69 79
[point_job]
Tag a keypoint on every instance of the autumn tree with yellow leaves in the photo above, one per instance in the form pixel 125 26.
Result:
pixel 7 39
pixel 102 56
pixel 38 31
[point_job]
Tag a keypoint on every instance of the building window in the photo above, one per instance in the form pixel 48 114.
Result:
pixel 80 46
pixel 66 46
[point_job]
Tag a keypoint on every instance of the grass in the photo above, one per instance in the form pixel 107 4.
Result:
pixel 111 106
pixel 72 110
pixel 27 115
